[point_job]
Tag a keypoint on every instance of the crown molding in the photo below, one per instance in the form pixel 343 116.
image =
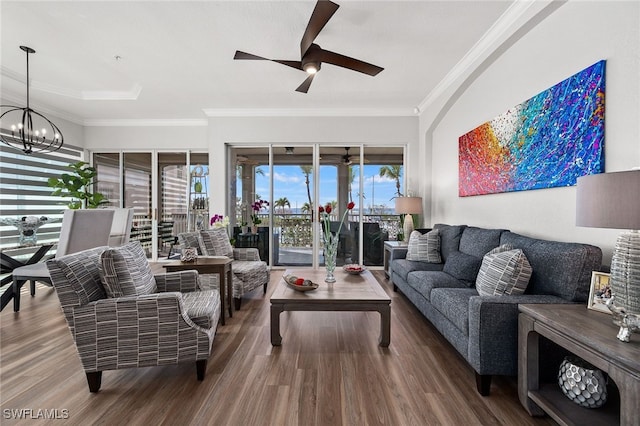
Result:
pixel 131 94
pixel 20 101
pixel 309 112
pixel 147 122
pixel 89 95
pixel 488 43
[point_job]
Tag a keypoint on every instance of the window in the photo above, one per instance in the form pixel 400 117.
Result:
pixel 24 190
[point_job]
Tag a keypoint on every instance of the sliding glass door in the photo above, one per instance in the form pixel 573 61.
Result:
pixel 161 188
pixel 291 178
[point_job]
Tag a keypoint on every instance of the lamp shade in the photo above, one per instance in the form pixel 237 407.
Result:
pixel 608 200
pixel 409 205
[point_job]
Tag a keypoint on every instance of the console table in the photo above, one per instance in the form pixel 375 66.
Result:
pixel 591 335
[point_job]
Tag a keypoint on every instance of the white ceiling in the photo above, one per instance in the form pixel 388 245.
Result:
pixel 177 56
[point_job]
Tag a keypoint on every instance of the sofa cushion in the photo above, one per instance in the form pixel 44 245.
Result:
pixel 125 271
pixel 478 241
pixel 200 306
pixel 216 242
pixel 425 281
pixel 424 247
pixel 504 271
pixel 463 266
pixel 453 303
pixel 559 269
pixel 403 267
pixel 449 238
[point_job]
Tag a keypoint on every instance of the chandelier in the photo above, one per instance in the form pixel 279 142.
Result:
pixel 26 129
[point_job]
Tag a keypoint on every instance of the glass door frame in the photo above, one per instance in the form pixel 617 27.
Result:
pixel 154 183
pixel 316 227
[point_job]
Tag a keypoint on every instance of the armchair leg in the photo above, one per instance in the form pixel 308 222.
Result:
pixel 238 302
pixel 483 384
pixel 94 380
pixel 201 369
pixel 265 288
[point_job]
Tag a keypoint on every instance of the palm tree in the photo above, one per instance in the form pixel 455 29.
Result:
pixel 307 171
pixel 282 203
pixel 392 172
pixel 306 208
pixel 350 178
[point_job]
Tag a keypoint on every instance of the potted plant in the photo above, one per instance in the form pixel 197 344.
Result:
pixel 255 219
pixel 77 186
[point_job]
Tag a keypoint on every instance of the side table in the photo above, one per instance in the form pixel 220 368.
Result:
pixel 392 250
pixel 210 265
pixel 590 335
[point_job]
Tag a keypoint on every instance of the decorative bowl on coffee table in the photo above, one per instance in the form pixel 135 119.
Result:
pixel 353 269
pixel 293 282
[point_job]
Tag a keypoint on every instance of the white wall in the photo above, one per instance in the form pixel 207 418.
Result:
pixel 576 35
pixel 146 137
pixel 300 130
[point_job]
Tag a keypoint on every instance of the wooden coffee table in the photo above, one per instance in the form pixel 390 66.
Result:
pixel 349 293
pixel 210 265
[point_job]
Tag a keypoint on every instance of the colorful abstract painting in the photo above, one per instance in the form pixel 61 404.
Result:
pixel 547 141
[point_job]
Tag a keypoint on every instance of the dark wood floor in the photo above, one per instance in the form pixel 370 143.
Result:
pixel 329 371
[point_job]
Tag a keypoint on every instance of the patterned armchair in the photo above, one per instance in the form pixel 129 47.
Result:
pixel 249 272
pixel 193 240
pixel 122 316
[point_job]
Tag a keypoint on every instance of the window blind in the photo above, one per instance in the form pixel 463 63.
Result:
pixel 24 190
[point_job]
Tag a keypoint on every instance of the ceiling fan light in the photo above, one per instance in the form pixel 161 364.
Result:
pixel 311 67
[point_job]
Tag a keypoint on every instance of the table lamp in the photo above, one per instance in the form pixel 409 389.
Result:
pixel 408 206
pixel 612 200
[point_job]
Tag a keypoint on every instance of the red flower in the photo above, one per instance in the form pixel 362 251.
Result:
pixel 321 209
pixel 327 208
pixel 351 205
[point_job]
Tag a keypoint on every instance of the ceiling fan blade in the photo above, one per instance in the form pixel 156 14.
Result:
pixel 304 87
pixel 293 64
pixel 347 62
pixel 244 55
pixel 323 11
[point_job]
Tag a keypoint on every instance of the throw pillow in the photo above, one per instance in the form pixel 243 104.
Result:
pixel 503 271
pixel 190 240
pixel 462 266
pixel 125 271
pixel 216 242
pixel 424 247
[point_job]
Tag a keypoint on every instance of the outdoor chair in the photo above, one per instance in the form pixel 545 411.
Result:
pixel 122 316
pixel 249 272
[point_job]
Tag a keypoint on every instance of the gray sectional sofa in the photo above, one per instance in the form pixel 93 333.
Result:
pixel 484 329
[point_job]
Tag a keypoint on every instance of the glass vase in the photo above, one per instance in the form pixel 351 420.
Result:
pixel 330 252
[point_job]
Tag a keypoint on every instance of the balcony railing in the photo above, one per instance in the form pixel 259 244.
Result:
pixel 294 230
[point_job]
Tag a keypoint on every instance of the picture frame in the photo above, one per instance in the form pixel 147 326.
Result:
pixel 600 292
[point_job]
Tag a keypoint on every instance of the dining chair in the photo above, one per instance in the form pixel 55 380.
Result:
pixel 80 230
pixel 120 227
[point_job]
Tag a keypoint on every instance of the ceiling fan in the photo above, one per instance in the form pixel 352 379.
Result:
pixel 346 158
pixel 312 55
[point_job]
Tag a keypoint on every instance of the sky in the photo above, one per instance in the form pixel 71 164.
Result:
pixel 289 182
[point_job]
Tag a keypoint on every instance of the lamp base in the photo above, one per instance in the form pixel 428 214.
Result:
pixel 625 284
pixel 407 228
